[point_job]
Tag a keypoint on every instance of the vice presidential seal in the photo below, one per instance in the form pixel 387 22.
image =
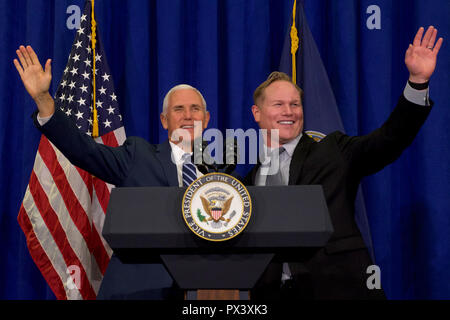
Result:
pixel 216 207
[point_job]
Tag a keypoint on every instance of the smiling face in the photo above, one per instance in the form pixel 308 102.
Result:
pixel 184 107
pixel 280 107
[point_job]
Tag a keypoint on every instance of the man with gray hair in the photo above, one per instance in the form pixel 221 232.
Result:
pixel 136 163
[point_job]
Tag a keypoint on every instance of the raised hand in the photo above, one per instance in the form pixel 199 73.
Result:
pixel 35 79
pixel 420 58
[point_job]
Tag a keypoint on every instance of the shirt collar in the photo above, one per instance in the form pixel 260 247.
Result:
pixel 178 153
pixel 290 146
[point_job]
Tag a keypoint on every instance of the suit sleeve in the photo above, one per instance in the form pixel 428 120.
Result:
pixel 111 164
pixel 370 153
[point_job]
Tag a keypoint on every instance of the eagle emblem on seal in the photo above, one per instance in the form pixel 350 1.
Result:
pixel 216 209
pixel 216 203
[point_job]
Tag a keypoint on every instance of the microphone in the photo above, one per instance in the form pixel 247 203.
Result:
pixel 197 156
pixel 206 164
pixel 230 155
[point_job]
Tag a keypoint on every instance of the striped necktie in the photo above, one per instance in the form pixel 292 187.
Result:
pixel 189 170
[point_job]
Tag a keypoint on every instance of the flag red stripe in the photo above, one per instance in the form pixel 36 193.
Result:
pixel 73 206
pixel 102 192
pixel 39 256
pixel 101 189
pixel 100 254
pixel 109 139
pixel 50 219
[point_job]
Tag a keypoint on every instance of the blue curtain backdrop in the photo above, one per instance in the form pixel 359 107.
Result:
pixel 225 49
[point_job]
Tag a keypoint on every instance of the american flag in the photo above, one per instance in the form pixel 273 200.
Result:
pixel 63 210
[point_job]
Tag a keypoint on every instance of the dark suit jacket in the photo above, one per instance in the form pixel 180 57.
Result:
pixel 136 163
pixel 338 163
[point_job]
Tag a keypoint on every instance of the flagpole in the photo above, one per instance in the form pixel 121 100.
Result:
pixel 94 107
pixel 294 44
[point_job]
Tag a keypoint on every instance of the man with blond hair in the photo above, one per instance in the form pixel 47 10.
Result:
pixel 338 163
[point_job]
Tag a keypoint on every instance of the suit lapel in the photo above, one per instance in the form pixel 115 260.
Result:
pixel 164 154
pixel 251 177
pixel 298 158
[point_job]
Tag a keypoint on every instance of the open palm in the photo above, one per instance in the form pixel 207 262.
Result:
pixel 420 58
pixel 35 79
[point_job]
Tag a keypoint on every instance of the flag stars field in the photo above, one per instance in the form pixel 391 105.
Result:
pixel 107 123
pixel 79 115
pixel 102 90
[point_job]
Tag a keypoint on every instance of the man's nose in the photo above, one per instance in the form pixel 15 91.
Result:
pixel 187 114
pixel 286 110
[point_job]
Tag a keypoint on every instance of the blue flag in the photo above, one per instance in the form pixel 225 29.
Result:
pixel 320 111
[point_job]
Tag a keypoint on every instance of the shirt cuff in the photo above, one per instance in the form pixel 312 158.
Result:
pixel 43 120
pixel 420 97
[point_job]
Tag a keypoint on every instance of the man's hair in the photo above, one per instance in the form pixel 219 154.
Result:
pixel 258 95
pixel 180 87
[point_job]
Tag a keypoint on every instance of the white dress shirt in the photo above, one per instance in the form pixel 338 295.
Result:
pixel 177 158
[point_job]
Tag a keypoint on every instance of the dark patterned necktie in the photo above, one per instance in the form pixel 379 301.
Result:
pixel 189 170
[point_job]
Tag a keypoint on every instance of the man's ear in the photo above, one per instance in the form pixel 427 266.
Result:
pixel 163 119
pixel 256 112
pixel 206 121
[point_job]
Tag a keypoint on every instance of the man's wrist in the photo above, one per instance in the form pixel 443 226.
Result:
pixel 419 85
pixel 45 104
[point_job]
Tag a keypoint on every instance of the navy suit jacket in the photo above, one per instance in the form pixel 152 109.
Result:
pixel 137 163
